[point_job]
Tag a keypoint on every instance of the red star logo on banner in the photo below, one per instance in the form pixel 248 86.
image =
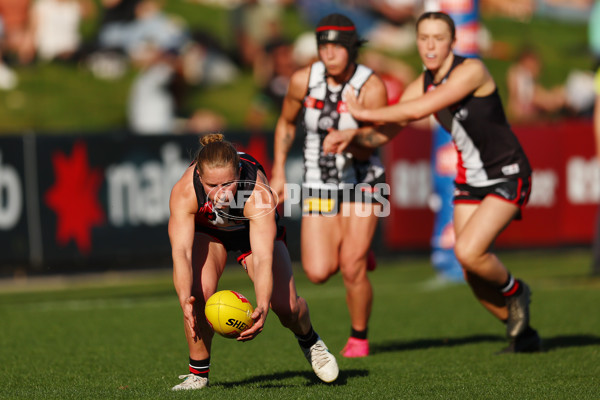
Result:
pixel 74 198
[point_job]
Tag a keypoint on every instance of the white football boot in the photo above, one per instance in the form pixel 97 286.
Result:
pixel 322 361
pixel 191 382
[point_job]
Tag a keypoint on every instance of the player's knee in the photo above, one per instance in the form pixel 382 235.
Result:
pixel 318 273
pixel 466 255
pixel 462 254
pixel 353 269
pixel 348 259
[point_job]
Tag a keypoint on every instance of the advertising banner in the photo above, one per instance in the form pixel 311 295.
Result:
pixel 14 242
pixel 93 200
pixel 103 197
pixel 102 200
pixel 564 198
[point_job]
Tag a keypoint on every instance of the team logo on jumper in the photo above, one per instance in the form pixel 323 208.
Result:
pixel 461 114
pixel 230 204
pixel 511 169
pixel 208 211
pixel 325 123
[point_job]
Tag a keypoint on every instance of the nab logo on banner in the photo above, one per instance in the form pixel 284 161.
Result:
pixel 11 196
pixel 115 202
pixel 74 197
pixel 137 195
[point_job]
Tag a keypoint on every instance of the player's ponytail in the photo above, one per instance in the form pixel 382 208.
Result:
pixel 216 152
pixel 211 138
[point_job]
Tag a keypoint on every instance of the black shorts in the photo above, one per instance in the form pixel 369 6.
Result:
pixel 325 201
pixel 515 191
pixel 238 240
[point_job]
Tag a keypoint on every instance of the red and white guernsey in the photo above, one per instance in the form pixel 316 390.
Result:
pixel 488 150
pixel 323 109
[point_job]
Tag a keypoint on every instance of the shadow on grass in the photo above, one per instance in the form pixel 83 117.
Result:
pixel 557 342
pixel 419 344
pixel 278 380
pixel 548 343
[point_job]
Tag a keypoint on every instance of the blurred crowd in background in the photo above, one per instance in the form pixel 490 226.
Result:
pixel 171 58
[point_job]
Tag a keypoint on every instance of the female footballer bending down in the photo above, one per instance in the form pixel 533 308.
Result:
pixel 493 178
pixel 334 236
pixel 222 203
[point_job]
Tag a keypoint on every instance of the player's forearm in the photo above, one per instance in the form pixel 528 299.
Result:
pixel 284 138
pixel 183 277
pixel 262 233
pixel 375 136
pixel 400 113
pixel 263 282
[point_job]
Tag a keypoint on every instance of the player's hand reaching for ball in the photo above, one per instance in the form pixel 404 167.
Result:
pixel 259 316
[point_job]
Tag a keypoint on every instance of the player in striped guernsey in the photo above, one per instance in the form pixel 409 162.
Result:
pixel 494 175
pixel 334 234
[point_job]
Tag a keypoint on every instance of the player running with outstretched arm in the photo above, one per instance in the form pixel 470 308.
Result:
pixel 494 176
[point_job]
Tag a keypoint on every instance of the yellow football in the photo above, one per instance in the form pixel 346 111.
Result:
pixel 228 313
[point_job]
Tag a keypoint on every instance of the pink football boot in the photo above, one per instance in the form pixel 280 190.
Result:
pixel 356 348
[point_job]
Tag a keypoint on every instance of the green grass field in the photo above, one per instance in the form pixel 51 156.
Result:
pixel 120 336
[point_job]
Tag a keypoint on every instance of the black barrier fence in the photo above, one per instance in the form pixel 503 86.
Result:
pixel 83 202
pixel 96 201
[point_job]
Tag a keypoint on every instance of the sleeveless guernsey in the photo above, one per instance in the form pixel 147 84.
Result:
pixel 488 150
pixel 324 109
pixel 210 218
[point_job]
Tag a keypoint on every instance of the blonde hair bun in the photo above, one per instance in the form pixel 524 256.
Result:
pixel 211 138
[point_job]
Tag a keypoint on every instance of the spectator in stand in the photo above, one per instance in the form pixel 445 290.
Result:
pixel 255 24
pixel 305 49
pixel 16 39
pixel 56 27
pixel 105 54
pixel 387 25
pixel 127 25
pixel 153 97
pixel 132 30
pixel 566 10
pixel 274 68
pixel 272 73
pixel 116 18
pixel 153 27
pixel 528 100
pixel 521 10
pixel 156 98
pixel 8 77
